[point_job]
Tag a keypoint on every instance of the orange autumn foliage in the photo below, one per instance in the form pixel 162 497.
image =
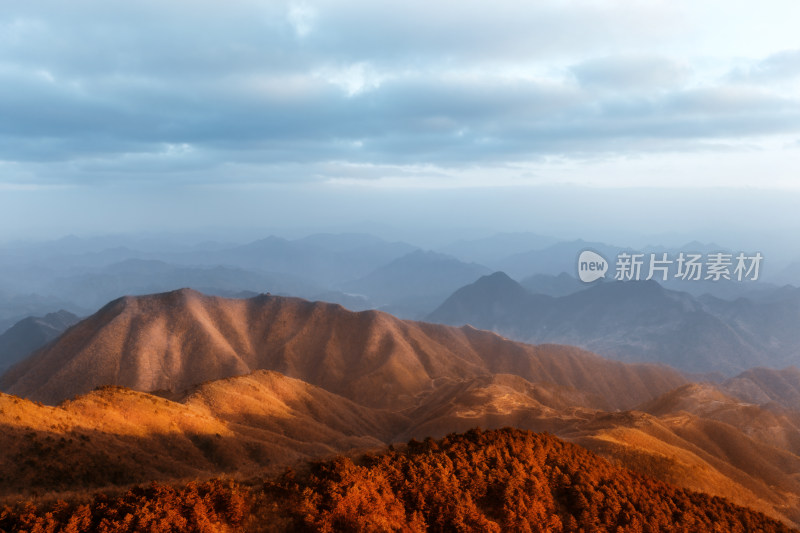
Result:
pixel 503 480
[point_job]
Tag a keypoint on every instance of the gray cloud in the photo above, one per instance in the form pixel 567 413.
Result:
pixel 194 91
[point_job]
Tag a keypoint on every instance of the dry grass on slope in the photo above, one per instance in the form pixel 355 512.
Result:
pixel 119 436
pixel 703 455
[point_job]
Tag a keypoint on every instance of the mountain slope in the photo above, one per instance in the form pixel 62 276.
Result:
pixel 695 437
pixel 175 340
pixel 764 385
pixel 117 436
pixel 246 423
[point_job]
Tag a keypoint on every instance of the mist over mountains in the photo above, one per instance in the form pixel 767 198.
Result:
pixel 638 321
pixel 698 326
pixel 81 275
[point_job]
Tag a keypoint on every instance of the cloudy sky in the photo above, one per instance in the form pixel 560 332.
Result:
pixel 505 114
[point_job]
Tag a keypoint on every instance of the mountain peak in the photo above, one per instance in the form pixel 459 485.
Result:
pixel 499 277
pixel 486 295
pixel 32 333
pixel 500 283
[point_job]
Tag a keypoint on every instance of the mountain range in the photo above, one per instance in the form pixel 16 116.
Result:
pixel 147 276
pixel 216 385
pixel 357 270
pixel 637 321
pixel 412 285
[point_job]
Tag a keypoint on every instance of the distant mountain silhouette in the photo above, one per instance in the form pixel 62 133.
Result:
pixel 554 259
pixel 491 303
pixel 139 276
pixel 16 307
pixel 327 260
pixel 789 274
pixel 315 266
pixel 32 333
pixel 768 322
pixel 353 302
pixel 490 250
pixel 414 284
pixel 344 242
pixel 629 321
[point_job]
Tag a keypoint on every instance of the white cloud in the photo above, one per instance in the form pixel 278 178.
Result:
pixel 353 79
pixel 302 18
